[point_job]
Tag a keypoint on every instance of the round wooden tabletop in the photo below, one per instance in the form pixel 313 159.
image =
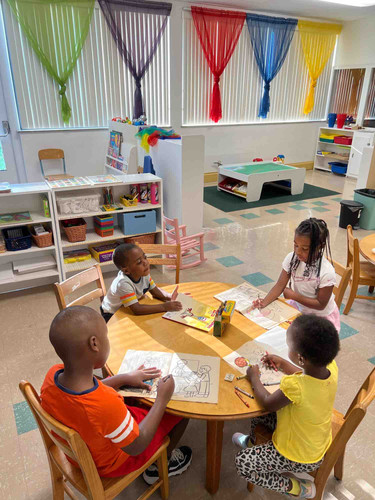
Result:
pixel 154 333
pixel 366 245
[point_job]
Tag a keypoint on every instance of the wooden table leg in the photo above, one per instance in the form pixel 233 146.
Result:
pixel 213 454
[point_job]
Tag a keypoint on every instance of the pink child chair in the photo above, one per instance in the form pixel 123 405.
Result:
pixel 192 251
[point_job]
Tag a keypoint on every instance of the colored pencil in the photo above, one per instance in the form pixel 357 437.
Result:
pixel 244 392
pixel 241 398
pixel 273 364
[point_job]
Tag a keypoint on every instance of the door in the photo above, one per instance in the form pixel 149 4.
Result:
pixel 360 140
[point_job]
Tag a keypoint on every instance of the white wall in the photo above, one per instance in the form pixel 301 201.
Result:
pixel 357 43
pixel 85 150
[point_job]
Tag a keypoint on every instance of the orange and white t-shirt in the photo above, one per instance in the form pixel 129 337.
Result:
pixel 99 415
pixel 124 291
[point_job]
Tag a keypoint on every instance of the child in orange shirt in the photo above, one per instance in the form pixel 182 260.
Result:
pixel 120 438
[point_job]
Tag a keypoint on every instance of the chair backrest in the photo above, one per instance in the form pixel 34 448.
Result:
pixel 51 154
pixel 345 273
pixel 171 231
pixel 70 285
pixel 170 255
pixel 352 419
pixel 352 250
pixel 70 442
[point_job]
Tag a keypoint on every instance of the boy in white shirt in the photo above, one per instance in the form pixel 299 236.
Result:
pixel 131 284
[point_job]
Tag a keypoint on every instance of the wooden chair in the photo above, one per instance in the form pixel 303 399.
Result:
pixel 70 285
pixel 51 154
pixel 339 291
pixel 170 255
pixel 192 247
pixel 342 429
pixel 85 477
pixel 363 272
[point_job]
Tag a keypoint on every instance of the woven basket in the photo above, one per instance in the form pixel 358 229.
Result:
pixel 143 238
pixel 76 232
pixel 43 240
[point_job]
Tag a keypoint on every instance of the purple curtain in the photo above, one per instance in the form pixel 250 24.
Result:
pixel 137 36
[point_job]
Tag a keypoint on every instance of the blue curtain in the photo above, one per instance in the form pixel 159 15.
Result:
pixel 270 38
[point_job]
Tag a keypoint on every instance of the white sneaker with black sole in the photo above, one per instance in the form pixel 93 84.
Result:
pixel 177 464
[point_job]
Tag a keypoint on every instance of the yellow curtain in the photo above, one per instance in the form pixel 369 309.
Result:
pixel 318 41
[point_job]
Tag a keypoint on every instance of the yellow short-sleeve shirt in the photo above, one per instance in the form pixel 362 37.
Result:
pixel 303 432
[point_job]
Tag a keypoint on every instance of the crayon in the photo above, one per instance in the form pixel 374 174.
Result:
pixel 241 398
pixel 244 392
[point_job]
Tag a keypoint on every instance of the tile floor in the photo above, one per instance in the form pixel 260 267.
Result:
pixel 248 245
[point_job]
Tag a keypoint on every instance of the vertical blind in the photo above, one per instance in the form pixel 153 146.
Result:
pixel 241 84
pixel 370 104
pixel 346 91
pixel 100 87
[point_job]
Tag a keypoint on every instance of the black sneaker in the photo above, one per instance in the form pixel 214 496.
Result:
pixel 177 464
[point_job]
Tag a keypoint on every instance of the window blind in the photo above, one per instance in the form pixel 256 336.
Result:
pixel 100 87
pixel 242 87
pixel 346 91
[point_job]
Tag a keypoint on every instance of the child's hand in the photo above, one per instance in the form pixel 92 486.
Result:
pixel 171 296
pixel 258 304
pixel 137 377
pixel 172 305
pixel 272 360
pixel 288 294
pixel 166 388
pixel 253 372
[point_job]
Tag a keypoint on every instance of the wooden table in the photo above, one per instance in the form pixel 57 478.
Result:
pixel 366 244
pixel 153 333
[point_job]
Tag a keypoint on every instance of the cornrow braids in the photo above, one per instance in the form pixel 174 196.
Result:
pixel 317 231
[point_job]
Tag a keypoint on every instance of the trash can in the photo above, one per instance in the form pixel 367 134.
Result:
pixel 367 198
pixel 349 213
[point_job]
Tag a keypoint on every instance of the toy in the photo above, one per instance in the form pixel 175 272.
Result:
pixel 76 256
pixel 279 159
pixel 257 159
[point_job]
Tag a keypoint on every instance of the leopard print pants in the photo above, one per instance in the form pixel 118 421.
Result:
pixel 263 465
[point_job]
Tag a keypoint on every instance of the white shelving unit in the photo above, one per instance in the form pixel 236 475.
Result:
pixel 92 238
pixel 130 150
pixel 360 139
pixel 28 197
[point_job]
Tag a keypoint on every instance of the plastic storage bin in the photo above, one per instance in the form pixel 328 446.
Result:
pixel 338 167
pixel 18 238
pixel 367 198
pixel 84 203
pixel 343 139
pixel 137 222
pixel 350 213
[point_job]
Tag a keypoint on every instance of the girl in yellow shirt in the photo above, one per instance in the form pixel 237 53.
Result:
pixel 300 411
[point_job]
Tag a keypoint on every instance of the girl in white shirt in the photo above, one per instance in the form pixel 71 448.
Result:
pixel 307 278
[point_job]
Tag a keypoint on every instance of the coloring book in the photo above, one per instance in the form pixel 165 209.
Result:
pixel 245 294
pixel 196 377
pixel 251 353
pixel 193 313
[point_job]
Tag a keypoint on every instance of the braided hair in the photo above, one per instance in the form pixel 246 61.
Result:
pixel 317 231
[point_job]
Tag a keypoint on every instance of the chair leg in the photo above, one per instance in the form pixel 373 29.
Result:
pixel 250 487
pixel 339 468
pixel 370 289
pixel 353 293
pixel 57 482
pixel 163 474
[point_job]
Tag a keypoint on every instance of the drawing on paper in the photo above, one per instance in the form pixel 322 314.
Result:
pixel 193 313
pixel 196 377
pixel 251 353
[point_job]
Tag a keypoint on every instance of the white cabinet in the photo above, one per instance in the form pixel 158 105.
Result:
pixel 360 141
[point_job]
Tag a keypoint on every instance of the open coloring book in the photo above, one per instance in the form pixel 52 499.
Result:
pixel 193 313
pixel 196 377
pixel 245 294
pixel 251 353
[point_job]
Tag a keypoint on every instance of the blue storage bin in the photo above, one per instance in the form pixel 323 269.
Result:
pixel 137 222
pixel 338 168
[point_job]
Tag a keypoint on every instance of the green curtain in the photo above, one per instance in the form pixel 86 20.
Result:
pixel 56 30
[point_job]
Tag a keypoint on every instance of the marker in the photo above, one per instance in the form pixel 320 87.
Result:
pixel 272 383
pixel 241 398
pixel 241 377
pixel 244 392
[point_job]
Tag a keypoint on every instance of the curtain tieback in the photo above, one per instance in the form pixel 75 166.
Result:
pixel 138 84
pixel 216 79
pixel 267 86
pixel 314 83
pixel 62 90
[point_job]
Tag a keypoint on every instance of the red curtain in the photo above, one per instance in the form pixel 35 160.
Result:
pixel 218 32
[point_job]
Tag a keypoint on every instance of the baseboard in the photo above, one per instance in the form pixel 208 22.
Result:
pixel 212 176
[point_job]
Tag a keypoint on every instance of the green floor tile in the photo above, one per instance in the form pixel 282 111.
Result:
pixel 320 209
pixel 275 211
pixel 257 279
pixel 249 216
pixel 223 220
pixel 229 261
pixel 25 420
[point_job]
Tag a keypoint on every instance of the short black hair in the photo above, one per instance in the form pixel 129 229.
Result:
pixel 316 339
pixel 121 253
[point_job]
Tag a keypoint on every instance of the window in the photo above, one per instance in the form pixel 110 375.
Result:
pixel 369 117
pixel 100 87
pixel 2 160
pixel 242 87
pixel 346 91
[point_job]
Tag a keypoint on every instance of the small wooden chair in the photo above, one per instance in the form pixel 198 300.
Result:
pixel 342 429
pixel 192 247
pixel 339 291
pixel 70 285
pixel 51 154
pixel 363 272
pixel 171 253
pixel 85 477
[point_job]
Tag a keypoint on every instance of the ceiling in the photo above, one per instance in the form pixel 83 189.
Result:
pixel 297 8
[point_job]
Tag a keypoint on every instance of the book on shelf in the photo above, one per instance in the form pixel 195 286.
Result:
pixel 15 218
